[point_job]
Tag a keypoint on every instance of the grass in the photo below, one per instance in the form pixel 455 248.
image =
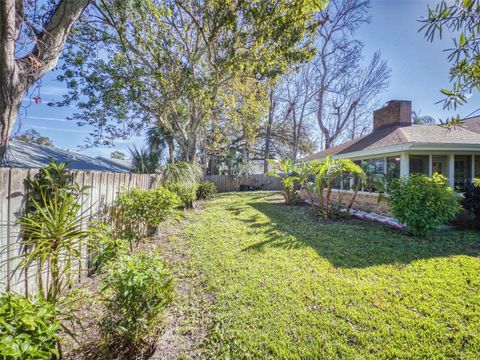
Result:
pixel 283 284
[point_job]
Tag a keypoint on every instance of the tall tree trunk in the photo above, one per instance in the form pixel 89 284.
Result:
pixel 10 100
pixel 268 132
pixel 171 150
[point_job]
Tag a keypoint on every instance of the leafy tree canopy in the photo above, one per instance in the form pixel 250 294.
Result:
pixel 175 61
pixel 34 137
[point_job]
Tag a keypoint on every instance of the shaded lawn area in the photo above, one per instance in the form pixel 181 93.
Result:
pixel 283 284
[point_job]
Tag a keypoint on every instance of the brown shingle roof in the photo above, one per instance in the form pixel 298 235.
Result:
pixel 469 133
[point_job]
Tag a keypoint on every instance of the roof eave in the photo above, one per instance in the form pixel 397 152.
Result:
pixel 403 147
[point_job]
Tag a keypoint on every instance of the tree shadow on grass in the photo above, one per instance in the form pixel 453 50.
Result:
pixel 348 243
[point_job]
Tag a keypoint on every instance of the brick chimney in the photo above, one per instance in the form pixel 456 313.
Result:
pixel 395 113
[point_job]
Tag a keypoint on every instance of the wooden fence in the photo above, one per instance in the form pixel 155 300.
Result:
pixel 227 183
pixel 102 190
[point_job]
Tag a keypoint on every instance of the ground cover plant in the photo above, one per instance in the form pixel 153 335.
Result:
pixel 29 328
pixel 282 283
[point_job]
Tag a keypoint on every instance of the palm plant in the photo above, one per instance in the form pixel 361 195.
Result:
pixel 417 119
pixel 53 241
pixel 144 161
pixel 325 174
pixel 288 171
pixel 183 173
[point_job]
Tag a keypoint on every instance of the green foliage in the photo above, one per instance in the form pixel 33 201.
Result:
pixel 53 240
pixel 137 210
pixel 34 137
pixel 107 246
pixel 144 161
pixel 184 173
pixel 187 193
pixel 423 203
pixel 288 172
pixel 29 328
pixel 471 204
pixel 48 181
pixel 216 45
pixel 206 190
pixel 460 17
pixel 326 172
pixel 137 290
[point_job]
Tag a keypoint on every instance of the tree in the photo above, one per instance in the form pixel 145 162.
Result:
pixel 345 90
pixel 34 137
pixel 32 36
pixel 462 18
pixel 118 155
pixel 176 61
pixel 417 119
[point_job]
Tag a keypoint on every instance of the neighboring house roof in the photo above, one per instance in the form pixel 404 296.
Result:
pixel 419 135
pixel 23 154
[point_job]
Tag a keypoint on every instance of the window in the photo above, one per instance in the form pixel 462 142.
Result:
pixel 440 165
pixel 462 171
pixel 419 164
pixel 393 167
pixel 374 166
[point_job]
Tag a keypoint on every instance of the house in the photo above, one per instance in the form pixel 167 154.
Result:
pixel 21 154
pixel 397 148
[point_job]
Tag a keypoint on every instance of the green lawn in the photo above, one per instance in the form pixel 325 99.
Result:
pixel 273 281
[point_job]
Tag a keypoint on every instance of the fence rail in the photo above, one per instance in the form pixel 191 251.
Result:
pixel 102 190
pixel 227 183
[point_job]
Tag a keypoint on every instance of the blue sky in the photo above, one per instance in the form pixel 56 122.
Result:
pixel 419 71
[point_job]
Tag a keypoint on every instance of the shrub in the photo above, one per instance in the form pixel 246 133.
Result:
pixel 205 190
pixel 137 291
pixel 471 203
pixel 28 328
pixel 186 192
pixel 106 245
pixel 423 203
pixel 137 210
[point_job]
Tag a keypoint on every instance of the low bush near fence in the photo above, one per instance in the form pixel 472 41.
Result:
pixel 423 203
pixel 137 210
pixel 137 290
pixel 29 328
pixel 187 193
pixel 206 190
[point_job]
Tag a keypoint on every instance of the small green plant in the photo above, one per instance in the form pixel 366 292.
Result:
pixel 137 290
pixel 106 245
pixel 288 172
pixel 138 210
pixel 29 328
pixel 48 181
pixel 206 190
pixel 423 203
pixel 187 193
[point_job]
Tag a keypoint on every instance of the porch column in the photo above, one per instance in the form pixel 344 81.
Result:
pixel 404 164
pixel 473 169
pixel 430 165
pixel 451 169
